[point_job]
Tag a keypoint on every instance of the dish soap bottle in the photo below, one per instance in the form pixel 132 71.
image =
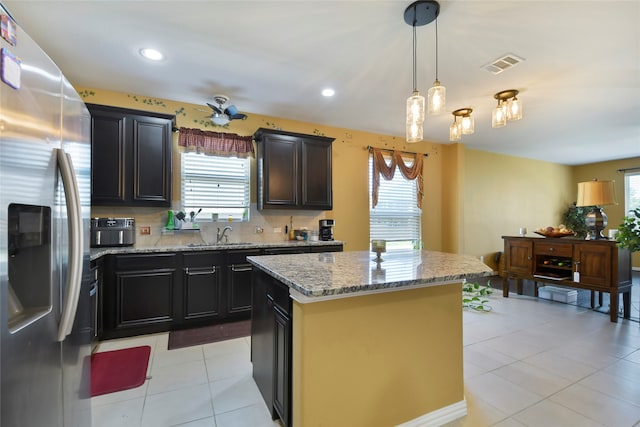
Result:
pixel 292 234
pixel 170 221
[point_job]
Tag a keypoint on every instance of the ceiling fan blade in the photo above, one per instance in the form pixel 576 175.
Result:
pixel 231 110
pixel 214 108
pixel 237 116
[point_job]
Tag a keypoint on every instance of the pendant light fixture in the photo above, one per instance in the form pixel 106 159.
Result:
pixel 417 14
pixel 463 124
pixel 509 108
pixel 436 97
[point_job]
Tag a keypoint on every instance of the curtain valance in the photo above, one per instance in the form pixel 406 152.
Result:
pixel 380 167
pixel 216 143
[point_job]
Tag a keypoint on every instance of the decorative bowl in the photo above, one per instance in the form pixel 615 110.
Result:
pixel 555 233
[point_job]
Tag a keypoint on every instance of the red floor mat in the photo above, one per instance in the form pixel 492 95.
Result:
pixel 119 370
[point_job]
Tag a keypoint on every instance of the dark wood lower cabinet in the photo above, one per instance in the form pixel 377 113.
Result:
pixel 282 366
pixel 155 292
pixel 271 339
pixel 140 294
pixel 239 280
pixel 201 283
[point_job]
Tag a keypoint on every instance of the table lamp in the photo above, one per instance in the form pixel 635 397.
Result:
pixel 596 194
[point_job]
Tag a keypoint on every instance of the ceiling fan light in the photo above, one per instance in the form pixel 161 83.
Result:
pixel 220 119
pixel 436 98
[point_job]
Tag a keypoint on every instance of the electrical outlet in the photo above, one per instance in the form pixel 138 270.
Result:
pixel 145 230
pixel 277 230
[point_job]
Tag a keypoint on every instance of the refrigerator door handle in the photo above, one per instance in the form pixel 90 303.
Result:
pixel 74 218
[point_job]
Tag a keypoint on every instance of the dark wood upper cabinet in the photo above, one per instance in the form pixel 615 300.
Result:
pixel 130 157
pixel 294 170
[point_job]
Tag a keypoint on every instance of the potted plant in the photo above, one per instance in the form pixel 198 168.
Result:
pixel 475 296
pixel 573 219
pixel 629 231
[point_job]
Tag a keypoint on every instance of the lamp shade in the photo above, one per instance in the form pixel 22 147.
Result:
pixel 596 193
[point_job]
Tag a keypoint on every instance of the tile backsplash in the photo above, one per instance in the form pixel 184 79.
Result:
pixel 271 223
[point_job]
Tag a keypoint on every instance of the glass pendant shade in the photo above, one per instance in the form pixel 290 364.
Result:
pixel 455 133
pixel 514 109
pixel 436 98
pixel 467 125
pixel 499 117
pixel 415 117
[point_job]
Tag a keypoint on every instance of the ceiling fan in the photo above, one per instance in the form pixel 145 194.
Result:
pixel 221 116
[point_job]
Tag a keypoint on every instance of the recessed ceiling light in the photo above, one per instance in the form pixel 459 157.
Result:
pixel 151 54
pixel 328 92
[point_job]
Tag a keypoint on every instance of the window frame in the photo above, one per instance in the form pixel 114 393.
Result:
pixel 237 210
pixel 416 231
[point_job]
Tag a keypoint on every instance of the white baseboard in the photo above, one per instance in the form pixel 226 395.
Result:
pixel 439 417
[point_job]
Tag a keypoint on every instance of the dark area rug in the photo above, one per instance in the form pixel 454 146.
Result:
pixel 209 334
pixel 119 370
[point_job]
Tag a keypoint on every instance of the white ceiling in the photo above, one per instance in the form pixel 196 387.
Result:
pixel 579 81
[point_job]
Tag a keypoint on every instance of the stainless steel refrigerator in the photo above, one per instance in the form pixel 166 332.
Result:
pixel 44 228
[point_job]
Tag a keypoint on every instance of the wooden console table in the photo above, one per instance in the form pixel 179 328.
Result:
pixel 600 264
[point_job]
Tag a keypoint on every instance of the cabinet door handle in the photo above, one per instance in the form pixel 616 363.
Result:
pixel 552 249
pixel 198 271
pixel 241 268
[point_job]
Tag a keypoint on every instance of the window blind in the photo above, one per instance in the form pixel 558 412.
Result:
pixel 396 218
pixel 217 185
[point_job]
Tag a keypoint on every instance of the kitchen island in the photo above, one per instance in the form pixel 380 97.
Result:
pixel 341 340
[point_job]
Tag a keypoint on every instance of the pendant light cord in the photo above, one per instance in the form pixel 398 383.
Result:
pixel 415 83
pixel 436 48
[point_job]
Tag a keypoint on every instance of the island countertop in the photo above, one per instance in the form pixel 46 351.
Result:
pixel 321 276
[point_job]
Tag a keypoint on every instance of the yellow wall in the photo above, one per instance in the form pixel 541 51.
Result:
pixel 606 171
pixel 471 198
pixel 392 373
pixel 503 193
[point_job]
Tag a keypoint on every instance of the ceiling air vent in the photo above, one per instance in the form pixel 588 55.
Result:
pixel 503 63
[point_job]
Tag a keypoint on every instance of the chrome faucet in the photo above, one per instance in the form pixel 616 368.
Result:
pixel 220 236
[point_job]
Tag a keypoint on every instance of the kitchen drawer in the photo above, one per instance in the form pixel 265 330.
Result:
pixel 280 294
pixel 203 259
pixel 146 262
pixel 553 249
pixel 239 256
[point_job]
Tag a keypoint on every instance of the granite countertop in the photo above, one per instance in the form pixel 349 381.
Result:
pixel 320 276
pixel 96 253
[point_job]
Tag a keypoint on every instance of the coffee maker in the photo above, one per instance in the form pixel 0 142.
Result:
pixel 326 229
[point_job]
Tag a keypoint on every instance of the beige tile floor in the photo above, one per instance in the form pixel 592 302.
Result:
pixel 528 362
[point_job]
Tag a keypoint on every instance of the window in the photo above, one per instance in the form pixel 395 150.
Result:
pixel 396 218
pixel 631 191
pixel 218 185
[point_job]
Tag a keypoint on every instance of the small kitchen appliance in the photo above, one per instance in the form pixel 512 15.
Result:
pixel 112 232
pixel 326 229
